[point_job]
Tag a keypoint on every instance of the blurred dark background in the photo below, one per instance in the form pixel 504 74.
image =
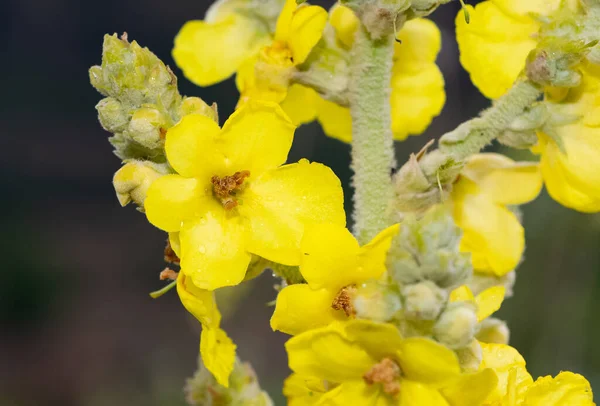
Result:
pixel 77 324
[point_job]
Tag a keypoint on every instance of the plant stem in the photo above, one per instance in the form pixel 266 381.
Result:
pixel 372 143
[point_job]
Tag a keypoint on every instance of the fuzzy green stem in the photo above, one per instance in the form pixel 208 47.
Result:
pixel 472 136
pixel 372 144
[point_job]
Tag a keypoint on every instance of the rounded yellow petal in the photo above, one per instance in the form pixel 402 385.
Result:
pixel 426 361
pixel 191 147
pixel 253 88
pixel 471 389
pixel 489 301
pixel 218 353
pixel 213 250
pixel 462 294
pixel 335 120
pixel 506 363
pixel 491 233
pixel 372 257
pixel 416 393
pixel 278 205
pixel 303 390
pixel 420 41
pixel 355 393
pixel 505 181
pixel 326 354
pixel 199 302
pixel 380 340
pixel 175 244
pixel 329 251
pixel 566 389
pixel 172 199
pixel 301 104
pixel 257 137
pixel 494 46
pixel 523 9
pixel 345 23
pixel 211 52
pixel 284 21
pixel 306 30
pixel 299 308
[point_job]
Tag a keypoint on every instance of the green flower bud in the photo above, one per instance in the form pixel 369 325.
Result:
pixel 195 105
pixel 480 282
pixel 132 181
pixel 423 301
pixel 375 301
pixel 112 115
pixel 492 330
pixel 148 127
pixel 470 356
pixel 456 326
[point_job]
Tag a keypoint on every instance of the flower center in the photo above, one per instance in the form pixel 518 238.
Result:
pixel 387 373
pixel 225 188
pixel 343 300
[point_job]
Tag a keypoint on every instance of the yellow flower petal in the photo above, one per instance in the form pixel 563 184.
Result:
pixel 380 340
pixel 132 181
pixel 303 390
pixel 199 302
pixel 416 393
pixel 218 353
pixel 306 29
pixel 489 301
pixel 505 181
pixel 494 46
pixel 345 23
pixel 335 120
pixel 325 354
pixel 328 252
pixel 491 233
pixel 284 21
pixel 355 393
pixel 471 389
pixel 301 104
pixel 213 249
pixel 427 361
pixel 175 244
pixel 299 308
pixel 522 9
pixel 372 256
pixel 279 204
pixel 172 199
pixel 503 359
pixel 566 389
pixel 420 41
pixel 462 294
pixel 211 52
pixel 251 88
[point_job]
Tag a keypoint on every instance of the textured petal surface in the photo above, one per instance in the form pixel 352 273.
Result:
pixel 354 393
pixel 299 308
pixel 326 354
pixel 279 204
pixel 416 393
pixel 427 361
pixel 211 52
pixel 567 389
pixel 302 390
pixel 172 199
pixel 213 250
pixel 505 361
pixel 306 30
pixel 380 340
pixel 218 353
pixel 494 46
pixel 471 389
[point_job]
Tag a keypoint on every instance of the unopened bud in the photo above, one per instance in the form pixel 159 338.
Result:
pixel 483 281
pixel 195 105
pixel 132 181
pixel 148 127
pixel 423 301
pixel 470 356
pixel 456 326
pixel 493 331
pixel 375 301
pixel 112 115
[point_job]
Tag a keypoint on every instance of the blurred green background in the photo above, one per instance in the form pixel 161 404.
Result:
pixel 77 324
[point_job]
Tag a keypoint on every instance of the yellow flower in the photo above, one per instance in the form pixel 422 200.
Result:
pixel 495 44
pixel 303 390
pixel 216 348
pixel 516 386
pixel 372 365
pixel 487 302
pixel 333 264
pixel 210 50
pixel 572 176
pixel 232 198
pixel 491 232
pixel 266 77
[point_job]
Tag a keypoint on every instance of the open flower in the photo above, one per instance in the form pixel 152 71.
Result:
pixel 516 386
pixel 495 44
pixel 571 171
pixel 371 364
pixel 333 264
pixel 232 198
pixel 491 232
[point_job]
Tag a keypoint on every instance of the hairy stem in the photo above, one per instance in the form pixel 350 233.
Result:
pixel 372 144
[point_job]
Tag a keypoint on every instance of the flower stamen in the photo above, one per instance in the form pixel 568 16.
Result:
pixel 387 373
pixel 343 300
pixel 225 188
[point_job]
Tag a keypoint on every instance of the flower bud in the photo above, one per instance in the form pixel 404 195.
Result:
pixel 456 326
pixel 375 301
pixel 470 356
pixel 493 331
pixel 112 115
pixel 195 105
pixel 148 127
pixel 481 282
pixel 132 181
pixel 423 301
